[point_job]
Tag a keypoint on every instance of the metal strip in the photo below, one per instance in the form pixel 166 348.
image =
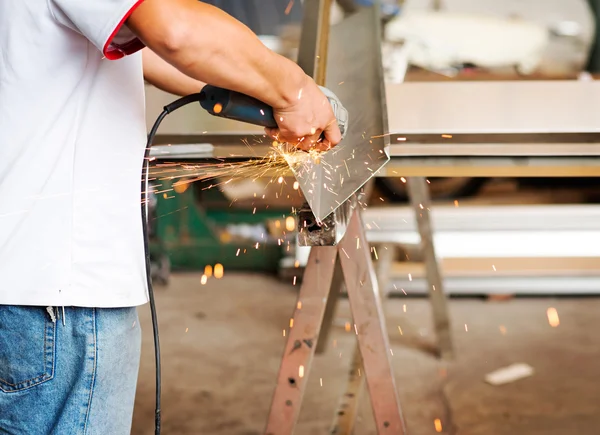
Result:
pixel 492 167
pixel 367 312
pixel 345 416
pixel 301 342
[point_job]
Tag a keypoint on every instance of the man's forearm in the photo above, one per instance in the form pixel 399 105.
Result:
pixel 210 46
pixel 166 77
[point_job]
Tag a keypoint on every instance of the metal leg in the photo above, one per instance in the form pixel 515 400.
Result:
pixel 419 198
pixel 345 416
pixel 337 283
pixel 302 339
pixel 343 421
pixel 373 342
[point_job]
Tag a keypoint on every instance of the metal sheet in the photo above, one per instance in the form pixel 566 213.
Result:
pixel 567 106
pixel 354 74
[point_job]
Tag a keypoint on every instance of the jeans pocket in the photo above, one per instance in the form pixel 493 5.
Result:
pixel 27 350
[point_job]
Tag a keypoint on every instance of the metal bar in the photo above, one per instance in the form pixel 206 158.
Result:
pixel 452 149
pixel 420 201
pixel 345 416
pixel 301 342
pixel 367 312
pixel 492 167
pixel 337 284
pixel 314 39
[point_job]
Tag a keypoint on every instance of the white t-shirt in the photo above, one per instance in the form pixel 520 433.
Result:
pixel 72 138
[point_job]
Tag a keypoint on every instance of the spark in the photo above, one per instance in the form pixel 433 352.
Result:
pixel 208 270
pixel 299 305
pixel 456 203
pixel 321 381
pixel 187 329
pixel 502 329
pixel 437 423
pixel 284 332
pixel 553 319
pixel 203 280
pixel 218 271
pixel 347 326
pixel 400 330
pixel 447 136
pixel 466 328
pixel 301 371
pixel 291 322
pixel 289 7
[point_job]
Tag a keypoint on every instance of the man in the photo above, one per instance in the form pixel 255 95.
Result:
pixel 72 137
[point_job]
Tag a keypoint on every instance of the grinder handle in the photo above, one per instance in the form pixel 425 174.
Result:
pixel 233 105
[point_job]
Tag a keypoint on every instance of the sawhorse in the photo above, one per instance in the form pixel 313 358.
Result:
pixel 350 262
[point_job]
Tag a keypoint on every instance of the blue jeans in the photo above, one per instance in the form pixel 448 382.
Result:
pixel 71 375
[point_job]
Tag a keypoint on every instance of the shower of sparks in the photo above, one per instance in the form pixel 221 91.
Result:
pixel 553 317
pixel 275 165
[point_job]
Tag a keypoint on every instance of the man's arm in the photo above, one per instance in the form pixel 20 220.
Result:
pixel 210 46
pixel 166 77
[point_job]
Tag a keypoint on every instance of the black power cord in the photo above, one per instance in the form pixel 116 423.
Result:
pixel 144 189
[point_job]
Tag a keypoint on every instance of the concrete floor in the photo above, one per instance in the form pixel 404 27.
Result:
pixel 222 344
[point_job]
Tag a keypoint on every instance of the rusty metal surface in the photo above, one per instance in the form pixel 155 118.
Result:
pixel 373 341
pixel 302 339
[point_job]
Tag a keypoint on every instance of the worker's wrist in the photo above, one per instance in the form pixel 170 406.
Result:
pixel 288 87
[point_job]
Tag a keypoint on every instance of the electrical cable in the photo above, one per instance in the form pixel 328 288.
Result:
pixel 145 195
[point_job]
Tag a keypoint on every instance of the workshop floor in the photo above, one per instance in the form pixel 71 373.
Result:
pixel 222 344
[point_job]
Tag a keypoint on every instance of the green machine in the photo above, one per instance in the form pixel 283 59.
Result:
pixel 194 226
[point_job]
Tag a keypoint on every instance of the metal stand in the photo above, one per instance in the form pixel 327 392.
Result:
pixel 354 258
pixel 418 193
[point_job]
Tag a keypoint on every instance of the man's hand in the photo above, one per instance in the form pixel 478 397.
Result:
pixel 301 123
